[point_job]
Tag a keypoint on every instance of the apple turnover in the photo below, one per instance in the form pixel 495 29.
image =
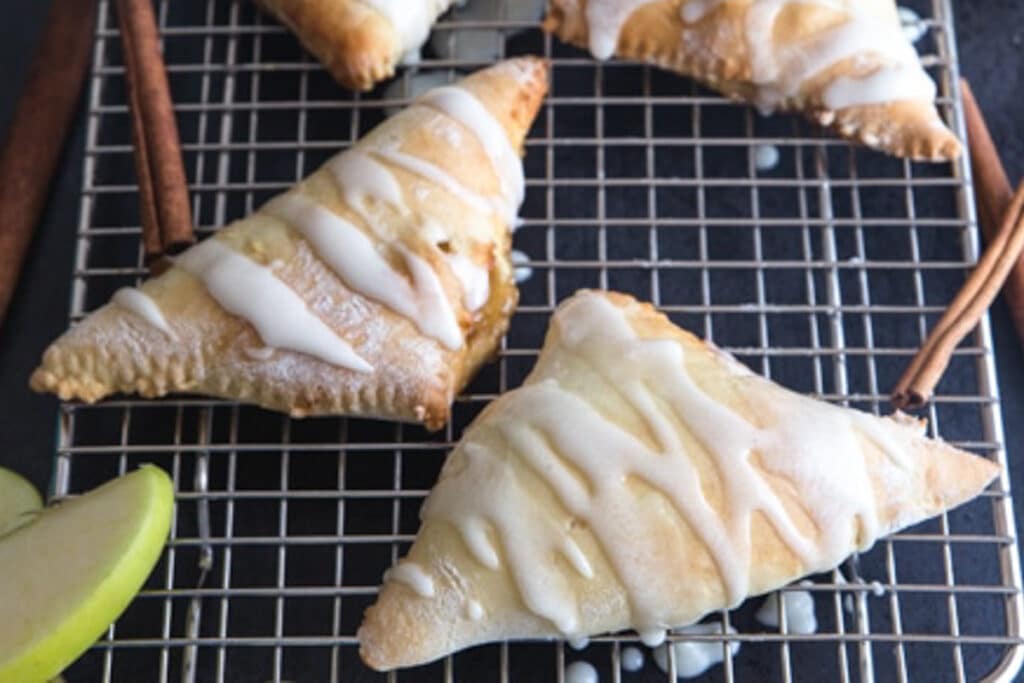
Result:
pixel 375 287
pixel 360 42
pixel 846 64
pixel 640 479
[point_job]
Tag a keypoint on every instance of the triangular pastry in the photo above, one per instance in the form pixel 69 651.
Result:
pixel 377 286
pixel 360 42
pixel 844 63
pixel 640 479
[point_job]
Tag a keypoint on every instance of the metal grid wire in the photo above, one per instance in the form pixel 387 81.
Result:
pixel 823 273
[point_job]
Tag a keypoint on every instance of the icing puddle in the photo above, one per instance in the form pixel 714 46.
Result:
pixel 799 612
pixel 694 657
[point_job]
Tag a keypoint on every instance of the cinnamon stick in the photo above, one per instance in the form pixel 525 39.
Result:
pixel 1002 254
pixel 994 193
pixel 42 119
pixel 163 189
pixel 991 184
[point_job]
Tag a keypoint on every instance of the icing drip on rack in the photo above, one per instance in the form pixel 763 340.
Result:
pixel 581 672
pixel 799 609
pixel 356 260
pixel 632 659
pixel 142 305
pixel 779 71
pixel 590 463
pixel 694 657
pixel 252 292
pixel 522 270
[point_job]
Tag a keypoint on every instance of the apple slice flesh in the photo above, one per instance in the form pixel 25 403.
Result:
pixel 70 572
pixel 18 500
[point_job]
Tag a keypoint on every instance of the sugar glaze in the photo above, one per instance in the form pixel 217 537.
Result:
pixel 588 461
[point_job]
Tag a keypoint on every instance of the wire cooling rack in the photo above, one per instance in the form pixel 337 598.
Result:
pixel 823 272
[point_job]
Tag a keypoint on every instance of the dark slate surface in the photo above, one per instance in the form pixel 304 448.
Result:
pixel 990 43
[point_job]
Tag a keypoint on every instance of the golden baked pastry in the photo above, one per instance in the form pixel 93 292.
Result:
pixel 640 479
pixel 377 286
pixel 846 64
pixel 360 42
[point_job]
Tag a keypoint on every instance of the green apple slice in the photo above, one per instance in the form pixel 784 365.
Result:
pixel 70 572
pixel 19 499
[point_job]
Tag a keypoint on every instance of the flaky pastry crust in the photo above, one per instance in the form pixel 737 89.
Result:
pixel 714 51
pixel 525 483
pixel 414 378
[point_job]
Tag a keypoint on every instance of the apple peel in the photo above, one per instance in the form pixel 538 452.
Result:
pixel 71 571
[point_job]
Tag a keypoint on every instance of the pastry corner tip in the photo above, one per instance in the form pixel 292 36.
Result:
pixel 43 381
pixel 48 378
pixel 377 641
pixel 952 475
pixel 368 653
pixel 529 69
pixel 558 16
pixel 40 381
pixel 951 149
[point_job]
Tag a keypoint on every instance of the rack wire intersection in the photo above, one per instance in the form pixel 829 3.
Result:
pixel 823 273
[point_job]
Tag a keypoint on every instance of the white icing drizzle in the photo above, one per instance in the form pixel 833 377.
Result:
pixel 440 177
pixel 411 20
pixel 142 305
pixel 581 672
pixel 474 610
pixel 587 461
pixel 433 232
pixel 579 643
pixel 438 319
pixel 898 82
pixel 799 607
pixel 259 353
pixel 766 157
pixel 779 72
pixel 632 659
pixel 475 280
pixel 413 576
pixel 913 26
pixel 692 658
pixel 465 108
pixel 251 291
pixel 359 176
pixel 355 259
pixel 522 271
pixel 693 11
pixel 840 580
pixel 652 636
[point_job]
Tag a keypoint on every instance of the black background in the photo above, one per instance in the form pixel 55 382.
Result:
pixel 990 35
